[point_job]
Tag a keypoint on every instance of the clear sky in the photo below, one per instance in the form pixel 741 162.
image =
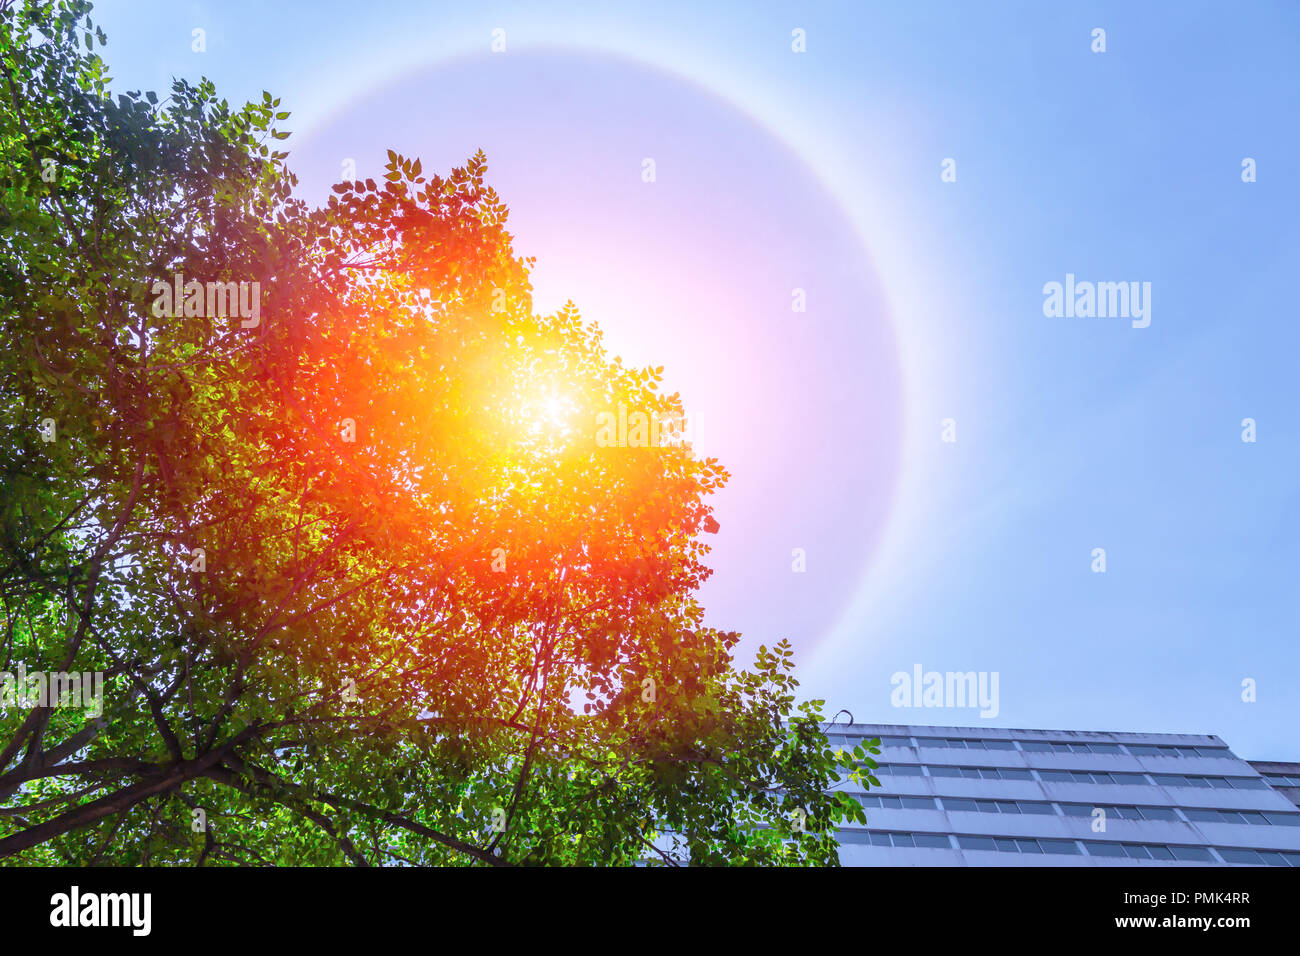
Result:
pixel 821 171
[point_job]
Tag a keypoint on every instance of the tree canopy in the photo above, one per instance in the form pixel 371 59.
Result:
pixel 320 495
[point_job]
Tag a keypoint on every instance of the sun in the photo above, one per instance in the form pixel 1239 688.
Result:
pixel 549 414
pixel 556 410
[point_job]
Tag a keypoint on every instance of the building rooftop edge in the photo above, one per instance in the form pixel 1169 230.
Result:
pixel 955 730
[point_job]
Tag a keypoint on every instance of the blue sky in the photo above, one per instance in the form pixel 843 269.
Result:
pixel 820 171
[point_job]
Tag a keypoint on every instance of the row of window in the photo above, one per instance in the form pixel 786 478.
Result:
pixel 1018 845
pixel 1120 812
pixel 1257 817
pixel 975 773
pixel 1137 750
pixel 1132 851
pixel 1144 851
pixel 1044 746
pixel 997 806
pixel 1075 776
pixel 1283 779
pixel 1123 812
pixel 1093 776
pixel 1052 747
pixel 1167 750
pixel 896 803
pixel 1151 851
pixel 839 740
pixel 882 838
pixel 957 743
pixel 1216 783
pixel 1267 857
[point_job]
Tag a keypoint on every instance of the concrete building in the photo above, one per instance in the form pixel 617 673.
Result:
pixel 965 796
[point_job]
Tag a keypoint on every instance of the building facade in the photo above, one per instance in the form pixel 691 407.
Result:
pixel 963 796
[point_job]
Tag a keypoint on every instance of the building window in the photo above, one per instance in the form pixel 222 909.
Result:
pixel 1157 813
pixel 1029 806
pixel 1104 849
pixel 1060 846
pixel 936 840
pixel 1196 854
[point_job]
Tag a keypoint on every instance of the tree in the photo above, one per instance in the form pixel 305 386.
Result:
pixel 320 496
